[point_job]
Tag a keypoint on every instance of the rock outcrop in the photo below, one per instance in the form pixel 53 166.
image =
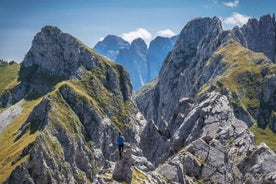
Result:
pixel 122 171
pixel 182 65
pixel 57 54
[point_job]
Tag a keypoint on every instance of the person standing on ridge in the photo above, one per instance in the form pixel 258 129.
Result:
pixel 120 142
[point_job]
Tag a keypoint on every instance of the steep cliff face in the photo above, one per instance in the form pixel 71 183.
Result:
pixel 182 65
pixel 261 35
pixel 268 103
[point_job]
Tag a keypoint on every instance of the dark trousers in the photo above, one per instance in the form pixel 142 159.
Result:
pixel 121 150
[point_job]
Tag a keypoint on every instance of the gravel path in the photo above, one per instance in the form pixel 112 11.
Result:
pixel 7 116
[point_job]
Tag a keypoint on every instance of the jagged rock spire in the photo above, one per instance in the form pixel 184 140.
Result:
pixel 57 53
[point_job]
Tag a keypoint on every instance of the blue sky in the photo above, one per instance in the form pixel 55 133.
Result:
pixel 91 20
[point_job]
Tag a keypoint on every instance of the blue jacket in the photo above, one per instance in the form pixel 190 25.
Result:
pixel 120 140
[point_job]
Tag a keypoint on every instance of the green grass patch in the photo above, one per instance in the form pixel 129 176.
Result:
pixel 52 145
pixel 91 89
pixel 146 88
pixel 102 99
pixel 62 114
pixel 8 76
pixel 10 150
pixel 138 176
pixel 243 75
pixel 264 135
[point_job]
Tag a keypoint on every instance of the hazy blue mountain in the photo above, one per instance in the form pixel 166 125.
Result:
pixel 110 46
pixel 141 62
pixel 157 52
pixel 134 60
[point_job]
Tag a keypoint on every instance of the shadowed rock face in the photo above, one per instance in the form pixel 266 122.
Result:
pixel 268 104
pixel 260 35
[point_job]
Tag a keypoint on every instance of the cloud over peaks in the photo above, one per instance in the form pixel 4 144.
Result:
pixel 165 33
pixel 232 4
pixel 236 19
pixel 138 33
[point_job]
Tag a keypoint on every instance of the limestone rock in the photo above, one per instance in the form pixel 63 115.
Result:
pixel 151 139
pixel 122 171
pixel 58 53
pixel 7 116
pixel 259 165
pixel 208 133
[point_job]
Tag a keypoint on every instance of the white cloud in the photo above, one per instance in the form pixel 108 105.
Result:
pixel 165 33
pixel 235 20
pixel 138 33
pixel 232 4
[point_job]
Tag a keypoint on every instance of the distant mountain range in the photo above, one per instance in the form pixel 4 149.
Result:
pixel 142 63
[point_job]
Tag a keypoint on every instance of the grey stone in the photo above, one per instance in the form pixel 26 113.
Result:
pixel 122 171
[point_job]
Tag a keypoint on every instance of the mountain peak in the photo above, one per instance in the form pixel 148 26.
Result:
pixel 51 29
pixel 112 37
pixel 110 46
pixel 57 53
pixel 193 33
pixel 139 43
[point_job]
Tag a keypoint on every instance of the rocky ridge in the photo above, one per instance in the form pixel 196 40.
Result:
pixel 66 131
pixel 200 108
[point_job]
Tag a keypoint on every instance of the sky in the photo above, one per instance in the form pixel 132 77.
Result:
pixel 92 20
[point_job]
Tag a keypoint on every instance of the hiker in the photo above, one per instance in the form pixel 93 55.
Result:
pixel 120 142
